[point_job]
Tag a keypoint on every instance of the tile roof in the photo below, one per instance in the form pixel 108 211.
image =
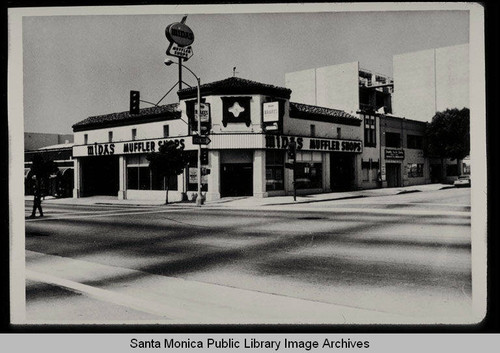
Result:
pixel 157 113
pixel 312 112
pixel 236 85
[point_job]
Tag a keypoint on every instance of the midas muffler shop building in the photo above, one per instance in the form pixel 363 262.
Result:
pixel 251 125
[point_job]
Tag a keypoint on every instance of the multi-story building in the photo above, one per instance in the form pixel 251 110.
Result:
pixel 251 126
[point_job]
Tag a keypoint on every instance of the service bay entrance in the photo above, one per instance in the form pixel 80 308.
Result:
pixel 100 176
pixel 236 179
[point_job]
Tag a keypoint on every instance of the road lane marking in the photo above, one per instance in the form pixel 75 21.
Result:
pixel 81 215
pixel 160 309
pixel 413 212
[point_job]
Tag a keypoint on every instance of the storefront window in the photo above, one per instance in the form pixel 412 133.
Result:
pixel 140 176
pixel 415 170
pixel 275 170
pixel 309 175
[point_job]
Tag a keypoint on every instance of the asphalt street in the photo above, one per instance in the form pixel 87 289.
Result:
pixel 407 257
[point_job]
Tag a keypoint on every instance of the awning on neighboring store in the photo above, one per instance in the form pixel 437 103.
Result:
pixel 63 170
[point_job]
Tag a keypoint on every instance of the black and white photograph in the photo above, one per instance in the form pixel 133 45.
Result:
pixel 272 164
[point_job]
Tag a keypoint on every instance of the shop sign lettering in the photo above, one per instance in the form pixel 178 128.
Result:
pixel 102 149
pixel 394 153
pixel 282 142
pixel 106 149
pixel 313 144
pixel 335 145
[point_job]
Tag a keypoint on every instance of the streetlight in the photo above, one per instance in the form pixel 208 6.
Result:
pixel 198 116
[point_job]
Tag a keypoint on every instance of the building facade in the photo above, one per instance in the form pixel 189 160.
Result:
pixel 251 125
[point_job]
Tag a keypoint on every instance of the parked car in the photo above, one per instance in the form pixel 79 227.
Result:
pixel 462 181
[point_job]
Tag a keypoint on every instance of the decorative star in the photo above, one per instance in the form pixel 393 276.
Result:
pixel 236 109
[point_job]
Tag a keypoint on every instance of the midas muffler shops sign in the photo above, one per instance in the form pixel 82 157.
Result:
pixel 314 144
pixel 130 147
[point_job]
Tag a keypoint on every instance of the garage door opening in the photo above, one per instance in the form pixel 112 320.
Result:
pixel 236 179
pixel 100 176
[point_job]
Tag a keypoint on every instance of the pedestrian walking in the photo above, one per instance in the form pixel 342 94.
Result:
pixel 37 202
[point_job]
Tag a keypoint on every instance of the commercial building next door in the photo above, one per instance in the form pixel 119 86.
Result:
pixel 236 179
pixel 393 172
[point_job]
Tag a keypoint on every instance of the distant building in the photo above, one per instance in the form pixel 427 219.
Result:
pixel 36 140
pixel 345 86
pixel 54 147
pixel 429 81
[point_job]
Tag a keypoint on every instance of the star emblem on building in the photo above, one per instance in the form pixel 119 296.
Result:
pixel 236 109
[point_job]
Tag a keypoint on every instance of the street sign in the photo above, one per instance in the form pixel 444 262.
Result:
pixel 200 140
pixel 180 52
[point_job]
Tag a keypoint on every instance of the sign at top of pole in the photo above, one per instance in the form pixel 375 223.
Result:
pixel 179 33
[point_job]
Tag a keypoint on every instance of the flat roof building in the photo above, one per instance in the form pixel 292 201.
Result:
pixel 251 125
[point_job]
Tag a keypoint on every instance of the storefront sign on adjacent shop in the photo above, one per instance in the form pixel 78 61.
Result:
pixel 394 153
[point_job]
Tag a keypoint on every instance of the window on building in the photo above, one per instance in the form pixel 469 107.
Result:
pixel 370 131
pixel 313 130
pixel 365 171
pixel 166 132
pixel 85 139
pixel 110 136
pixel 141 177
pixel 339 133
pixel 134 134
pixel 309 175
pixel 415 170
pixel 392 139
pixel 275 170
pixel 414 141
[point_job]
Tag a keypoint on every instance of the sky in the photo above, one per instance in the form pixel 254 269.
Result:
pixel 79 66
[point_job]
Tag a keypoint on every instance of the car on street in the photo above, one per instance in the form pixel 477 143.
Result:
pixel 462 181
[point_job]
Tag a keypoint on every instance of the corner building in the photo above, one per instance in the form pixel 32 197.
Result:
pixel 250 127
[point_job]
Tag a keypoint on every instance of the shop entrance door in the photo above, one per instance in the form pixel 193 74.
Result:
pixel 341 171
pixel 236 179
pixel 393 171
pixel 100 176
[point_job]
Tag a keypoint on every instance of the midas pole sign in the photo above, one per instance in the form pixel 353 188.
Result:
pixel 180 37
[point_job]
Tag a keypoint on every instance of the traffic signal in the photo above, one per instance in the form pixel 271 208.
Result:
pixel 291 150
pixel 134 102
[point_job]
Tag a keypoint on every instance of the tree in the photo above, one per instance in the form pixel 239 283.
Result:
pixel 169 161
pixel 42 169
pixel 448 135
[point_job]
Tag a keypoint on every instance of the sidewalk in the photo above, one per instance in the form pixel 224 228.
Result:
pixel 249 201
